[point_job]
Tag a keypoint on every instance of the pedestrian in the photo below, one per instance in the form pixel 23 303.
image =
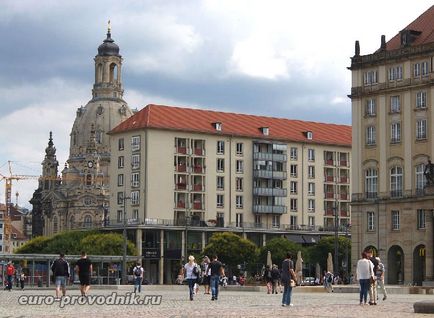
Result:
pixel 275 276
pixel 373 286
pixel 138 277
pixel 83 268
pixel 286 277
pixel 22 279
pixel 217 270
pixel 191 272
pixel 206 274
pixel 10 272
pixel 328 281
pixel 380 278
pixel 364 273
pixel 267 278
pixel 60 268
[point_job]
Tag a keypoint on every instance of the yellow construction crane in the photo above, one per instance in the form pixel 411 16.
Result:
pixel 8 201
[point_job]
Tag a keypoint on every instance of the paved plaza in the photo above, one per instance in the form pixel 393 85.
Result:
pixel 231 303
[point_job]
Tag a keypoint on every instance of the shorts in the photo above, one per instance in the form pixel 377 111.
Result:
pixel 206 280
pixel 84 280
pixel 60 281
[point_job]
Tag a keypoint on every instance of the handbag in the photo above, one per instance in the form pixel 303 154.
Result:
pixel 292 283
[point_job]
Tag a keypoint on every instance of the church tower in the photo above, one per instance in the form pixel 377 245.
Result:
pixel 49 179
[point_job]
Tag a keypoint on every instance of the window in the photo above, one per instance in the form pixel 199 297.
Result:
pixel 424 68
pixel 293 221
pixel 239 201
pixel 135 180
pixel 311 221
pixel 421 129
pixel 55 225
pixel 119 216
pixel 370 107
pixel 240 166
pixel 293 187
pixel 293 153
pixel 120 198
pixel 416 70
pixel 395 220
pixel 121 144
pixel 311 172
pixel 258 220
pixel 396 182
pixel 395 104
pixel 370 135
pixel 220 183
pixel 87 221
pixel 120 161
pixel 311 188
pixel 420 69
pixel 293 171
pixel 135 161
pixel 370 77
pixel 220 200
pixel 420 178
pixel 135 214
pixel 309 135
pixel 120 180
pixel 293 205
pixel 395 133
pixel 220 147
pixel 420 219
pixel 371 221
pixel 395 73
pixel 311 205
pixel 421 99
pixel 220 165
pixel 135 143
pixel 275 222
pixel 239 220
pixel 311 154
pixel 88 179
pixel 239 184
pixel 371 180
pixel 135 197
pixel 240 148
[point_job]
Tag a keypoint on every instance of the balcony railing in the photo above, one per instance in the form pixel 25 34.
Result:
pixel 182 150
pixel 197 205
pixel 279 209
pixel 180 205
pixel 343 163
pixel 344 196
pixel 181 186
pixel 269 156
pixel 329 178
pixel 181 168
pixel 198 169
pixel 329 162
pixel 329 195
pixel 343 180
pixel 266 174
pixel 396 193
pixel 197 187
pixel 270 192
pixel 199 152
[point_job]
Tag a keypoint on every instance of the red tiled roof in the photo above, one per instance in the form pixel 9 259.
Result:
pixel 201 121
pixel 424 24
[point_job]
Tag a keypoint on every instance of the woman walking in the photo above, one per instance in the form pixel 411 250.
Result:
pixel 191 272
pixel 364 273
pixel 206 270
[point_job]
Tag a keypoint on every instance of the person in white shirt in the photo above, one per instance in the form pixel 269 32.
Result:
pixel 365 270
pixel 191 272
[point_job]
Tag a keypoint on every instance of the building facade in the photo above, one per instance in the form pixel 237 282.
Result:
pixel 392 208
pixel 179 175
pixel 79 197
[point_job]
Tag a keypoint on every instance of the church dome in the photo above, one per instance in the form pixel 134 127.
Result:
pixel 108 47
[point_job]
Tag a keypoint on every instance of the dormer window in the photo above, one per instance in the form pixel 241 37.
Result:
pixel 308 134
pixel 265 131
pixel 218 126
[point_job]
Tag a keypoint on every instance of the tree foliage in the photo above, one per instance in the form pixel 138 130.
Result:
pixel 73 242
pixel 318 253
pixel 231 249
pixel 278 248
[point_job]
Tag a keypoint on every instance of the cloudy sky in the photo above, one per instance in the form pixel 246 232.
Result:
pixel 276 58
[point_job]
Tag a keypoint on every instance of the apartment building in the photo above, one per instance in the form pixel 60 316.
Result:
pixel 392 208
pixel 181 174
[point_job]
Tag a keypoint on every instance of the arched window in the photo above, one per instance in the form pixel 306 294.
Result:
pixel 396 182
pixel 420 178
pixel 99 70
pixel 55 224
pixel 87 221
pixel 113 73
pixel 371 181
pixel 88 179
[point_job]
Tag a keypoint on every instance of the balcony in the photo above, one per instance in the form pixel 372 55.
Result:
pixel 343 180
pixel 329 212
pixel 198 169
pixel 182 150
pixel 279 209
pixel 344 196
pixel 266 174
pixel 199 152
pixel 197 205
pixel 371 195
pixel 345 214
pixel 180 205
pixel 343 163
pixel 329 178
pixel 329 162
pixel 269 156
pixel 329 195
pixel 181 186
pixel 181 168
pixel 396 193
pixel 198 187
pixel 270 192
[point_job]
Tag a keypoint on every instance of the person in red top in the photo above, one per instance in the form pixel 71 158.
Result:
pixel 10 272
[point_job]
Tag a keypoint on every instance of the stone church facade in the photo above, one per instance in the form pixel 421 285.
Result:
pixel 79 197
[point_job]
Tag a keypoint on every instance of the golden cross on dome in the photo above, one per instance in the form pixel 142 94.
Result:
pixel 109 28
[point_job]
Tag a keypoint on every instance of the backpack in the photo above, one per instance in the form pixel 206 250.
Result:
pixel 137 271
pixel 196 271
pixel 330 278
pixel 10 270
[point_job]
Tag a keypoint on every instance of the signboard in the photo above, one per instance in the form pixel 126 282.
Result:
pixel 151 253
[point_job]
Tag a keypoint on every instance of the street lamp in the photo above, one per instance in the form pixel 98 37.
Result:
pixel 336 264
pixel 124 233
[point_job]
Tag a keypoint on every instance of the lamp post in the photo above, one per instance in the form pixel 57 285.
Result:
pixel 335 263
pixel 124 234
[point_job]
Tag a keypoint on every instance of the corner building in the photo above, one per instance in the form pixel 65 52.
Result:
pixel 180 174
pixel 392 98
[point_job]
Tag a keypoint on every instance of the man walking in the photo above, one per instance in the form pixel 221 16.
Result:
pixel 84 269
pixel 10 272
pixel 380 278
pixel 216 271
pixel 138 277
pixel 60 270
pixel 286 276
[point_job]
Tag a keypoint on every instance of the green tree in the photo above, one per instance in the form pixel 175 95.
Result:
pixel 278 248
pixel 106 244
pixel 318 253
pixel 231 249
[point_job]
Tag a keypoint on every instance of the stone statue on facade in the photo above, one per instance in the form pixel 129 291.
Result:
pixel 429 173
